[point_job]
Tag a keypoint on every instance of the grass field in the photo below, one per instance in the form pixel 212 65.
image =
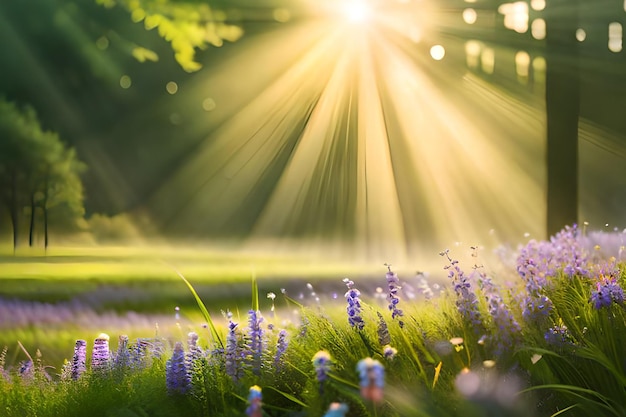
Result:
pixel 545 338
pixel 48 299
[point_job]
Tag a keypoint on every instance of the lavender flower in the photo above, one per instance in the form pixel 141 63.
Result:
pixel 354 305
pixel 233 354
pixel 389 352
pixel 100 354
pixel 559 336
pixel 371 379
pixel 194 354
pixel 508 329
pixel 536 305
pixel 384 338
pixel 176 376
pixel 607 291
pixel 321 363
pixel 569 252
pixel 122 359
pixel 194 351
pixel 254 399
pixel 393 284
pixel 337 410
pixel 27 370
pixel 466 301
pixel 281 347
pixel 255 333
pixel 79 359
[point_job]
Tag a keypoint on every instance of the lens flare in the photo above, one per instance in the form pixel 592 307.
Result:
pixel 357 11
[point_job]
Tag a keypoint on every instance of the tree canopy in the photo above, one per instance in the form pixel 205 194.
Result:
pixel 38 173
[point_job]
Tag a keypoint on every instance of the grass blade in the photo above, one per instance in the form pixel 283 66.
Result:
pixel 204 310
pixel 255 293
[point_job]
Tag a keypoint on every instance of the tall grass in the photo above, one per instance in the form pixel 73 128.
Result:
pixel 547 339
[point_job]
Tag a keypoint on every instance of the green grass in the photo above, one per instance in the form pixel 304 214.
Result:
pixel 430 376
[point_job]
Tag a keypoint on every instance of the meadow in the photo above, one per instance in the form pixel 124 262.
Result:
pixel 123 333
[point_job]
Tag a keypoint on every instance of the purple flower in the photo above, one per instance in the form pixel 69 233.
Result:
pixel 100 354
pixel 233 353
pixel 466 301
pixel 508 329
pixel 569 252
pixel 194 354
pixel 607 291
pixel 321 363
pixel 255 335
pixel 79 359
pixel 389 352
pixel 393 284
pixel 559 336
pixel 354 305
pixel 536 305
pixel 122 358
pixel 176 375
pixel 281 347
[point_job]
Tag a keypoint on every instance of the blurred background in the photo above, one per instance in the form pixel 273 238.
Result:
pixel 360 130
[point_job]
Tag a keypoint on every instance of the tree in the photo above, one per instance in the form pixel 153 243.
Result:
pixel 563 108
pixel 37 171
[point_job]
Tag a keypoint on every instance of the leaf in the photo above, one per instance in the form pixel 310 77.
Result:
pixel 288 396
pixel 255 293
pixel 142 54
pixel 437 372
pixel 204 310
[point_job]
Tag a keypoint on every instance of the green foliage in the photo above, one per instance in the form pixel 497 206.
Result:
pixel 186 25
pixel 38 172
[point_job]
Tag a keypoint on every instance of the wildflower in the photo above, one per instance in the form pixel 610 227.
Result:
pixel 466 301
pixel 281 347
pixel 27 370
pixel 383 331
pixel 194 351
pixel 607 291
pixel 272 296
pixel 254 398
pixel 194 354
pixel 79 359
pixel 536 305
pixel 122 357
pixel 321 363
pixel 337 410
pixel 100 354
pixel 255 333
pixel 569 252
pixel 354 305
pixel 389 352
pixel 559 336
pixel 508 329
pixel 233 356
pixel 393 284
pixel 372 379
pixel 176 376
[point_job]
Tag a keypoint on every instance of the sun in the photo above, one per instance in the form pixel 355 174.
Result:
pixel 357 11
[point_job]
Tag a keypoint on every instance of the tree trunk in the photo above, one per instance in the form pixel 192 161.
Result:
pixel 31 231
pixel 563 108
pixel 44 207
pixel 14 210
